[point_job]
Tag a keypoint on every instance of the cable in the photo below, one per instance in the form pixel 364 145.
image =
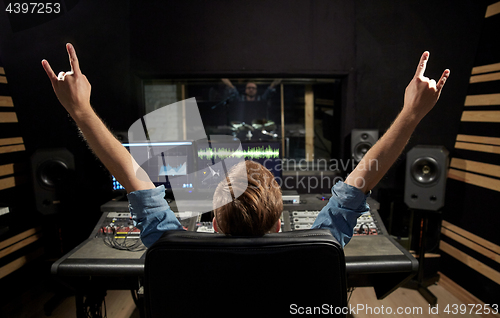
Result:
pixel 350 291
pixel 135 297
pixel 128 244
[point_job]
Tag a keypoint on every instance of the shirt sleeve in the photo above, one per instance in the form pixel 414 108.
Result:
pixel 342 211
pixel 268 93
pixel 233 94
pixel 152 214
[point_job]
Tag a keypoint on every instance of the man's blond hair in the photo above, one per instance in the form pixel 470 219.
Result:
pixel 257 210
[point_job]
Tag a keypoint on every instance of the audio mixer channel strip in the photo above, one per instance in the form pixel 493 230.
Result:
pixel 367 224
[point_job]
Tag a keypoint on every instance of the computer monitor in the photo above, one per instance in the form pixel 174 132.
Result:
pixel 169 163
pixel 192 170
pixel 116 185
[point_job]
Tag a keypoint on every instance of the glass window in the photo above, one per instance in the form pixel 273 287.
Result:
pixel 302 113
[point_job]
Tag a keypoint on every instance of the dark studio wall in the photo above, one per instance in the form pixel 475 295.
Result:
pixel 374 45
pixel 99 32
pixel 390 37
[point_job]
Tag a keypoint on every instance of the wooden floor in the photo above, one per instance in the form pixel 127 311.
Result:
pixel 411 302
pixel 119 304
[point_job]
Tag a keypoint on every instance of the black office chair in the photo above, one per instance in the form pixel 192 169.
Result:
pixel 189 274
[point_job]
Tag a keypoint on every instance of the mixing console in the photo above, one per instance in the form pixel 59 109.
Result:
pixel 118 231
pixel 368 223
pixel 303 220
pixel 299 218
pixel 119 225
pixel 371 260
pixel 204 227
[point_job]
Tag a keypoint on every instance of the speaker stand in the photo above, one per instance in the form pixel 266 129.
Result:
pixel 421 283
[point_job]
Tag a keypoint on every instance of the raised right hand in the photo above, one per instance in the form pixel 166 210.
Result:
pixel 227 82
pixel 72 88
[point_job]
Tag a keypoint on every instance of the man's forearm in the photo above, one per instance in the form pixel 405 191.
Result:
pixel 227 82
pixel 377 161
pixel 110 151
pixel 420 97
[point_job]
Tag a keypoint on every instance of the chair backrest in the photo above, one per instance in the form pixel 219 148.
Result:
pixel 195 274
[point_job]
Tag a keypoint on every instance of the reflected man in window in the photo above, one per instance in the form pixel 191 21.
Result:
pixel 251 91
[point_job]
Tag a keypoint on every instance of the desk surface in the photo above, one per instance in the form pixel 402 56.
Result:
pixel 373 260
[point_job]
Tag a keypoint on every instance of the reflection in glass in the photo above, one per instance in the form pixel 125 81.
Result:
pixel 257 109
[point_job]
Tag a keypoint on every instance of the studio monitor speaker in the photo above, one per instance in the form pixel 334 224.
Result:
pixel 361 141
pixel 53 173
pixel 425 184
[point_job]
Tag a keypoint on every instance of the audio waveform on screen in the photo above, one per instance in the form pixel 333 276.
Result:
pixel 251 153
pixel 173 171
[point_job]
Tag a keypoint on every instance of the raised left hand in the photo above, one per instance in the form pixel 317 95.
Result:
pixel 422 93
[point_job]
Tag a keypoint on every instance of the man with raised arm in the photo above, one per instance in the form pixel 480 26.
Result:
pixel 251 90
pixel 258 209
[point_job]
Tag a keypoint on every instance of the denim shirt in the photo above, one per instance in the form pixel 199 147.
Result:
pixel 340 214
pixel 237 96
pixel 153 216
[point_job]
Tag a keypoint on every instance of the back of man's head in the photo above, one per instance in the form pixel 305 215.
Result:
pixel 255 212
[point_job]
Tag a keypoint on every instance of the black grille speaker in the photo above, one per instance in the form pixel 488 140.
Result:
pixel 425 184
pixel 52 172
pixel 361 141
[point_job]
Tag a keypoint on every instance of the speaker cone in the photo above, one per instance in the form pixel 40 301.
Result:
pixel 52 173
pixel 360 150
pixel 425 170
